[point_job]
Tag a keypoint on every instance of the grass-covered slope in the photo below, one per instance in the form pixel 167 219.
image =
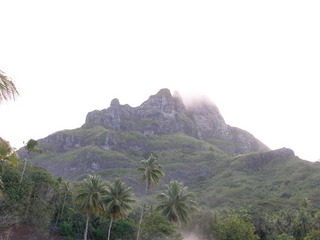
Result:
pixel 74 153
pixel 272 179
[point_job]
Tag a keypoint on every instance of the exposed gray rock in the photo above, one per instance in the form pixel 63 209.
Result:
pixel 164 113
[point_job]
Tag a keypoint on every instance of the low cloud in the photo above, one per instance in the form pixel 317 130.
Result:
pixel 193 100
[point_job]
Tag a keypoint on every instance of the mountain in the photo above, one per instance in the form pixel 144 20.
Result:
pixel 221 163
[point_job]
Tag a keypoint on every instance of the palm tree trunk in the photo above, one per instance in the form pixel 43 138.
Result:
pixel 110 225
pixel 86 230
pixel 63 204
pixel 24 169
pixel 142 210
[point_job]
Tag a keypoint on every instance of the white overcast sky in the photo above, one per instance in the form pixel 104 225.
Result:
pixel 259 61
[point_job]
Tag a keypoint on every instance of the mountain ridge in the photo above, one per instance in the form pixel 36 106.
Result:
pixel 164 113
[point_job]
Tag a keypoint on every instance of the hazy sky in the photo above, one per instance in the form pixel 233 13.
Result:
pixel 259 61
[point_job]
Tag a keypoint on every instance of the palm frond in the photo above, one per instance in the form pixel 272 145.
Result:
pixel 7 88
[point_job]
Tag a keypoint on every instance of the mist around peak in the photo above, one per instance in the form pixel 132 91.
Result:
pixel 194 100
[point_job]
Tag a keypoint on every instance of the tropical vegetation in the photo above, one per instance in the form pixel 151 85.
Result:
pixel 95 209
pixel 245 197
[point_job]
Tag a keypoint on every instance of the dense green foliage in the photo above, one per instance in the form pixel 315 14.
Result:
pixel 313 235
pixel 157 227
pixel 31 201
pixel 235 227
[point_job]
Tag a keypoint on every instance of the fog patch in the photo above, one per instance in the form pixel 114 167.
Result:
pixel 192 101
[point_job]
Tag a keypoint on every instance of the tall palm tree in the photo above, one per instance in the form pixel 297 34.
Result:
pixel 176 202
pixel 117 201
pixel 90 198
pixel 7 88
pixel 31 147
pixel 151 172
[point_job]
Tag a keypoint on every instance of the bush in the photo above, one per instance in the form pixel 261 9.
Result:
pixel 313 235
pixel 66 228
pixel 158 227
pixel 285 237
pixel 235 228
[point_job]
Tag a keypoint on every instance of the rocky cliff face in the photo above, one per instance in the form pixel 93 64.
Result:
pixel 164 114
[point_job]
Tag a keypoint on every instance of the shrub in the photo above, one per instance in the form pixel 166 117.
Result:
pixel 235 228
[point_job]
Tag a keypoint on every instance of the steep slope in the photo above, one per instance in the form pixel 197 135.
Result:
pixel 222 164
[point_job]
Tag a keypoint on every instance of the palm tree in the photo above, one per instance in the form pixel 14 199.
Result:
pixel 117 201
pixel 90 198
pixel 176 202
pixel 7 88
pixel 151 173
pixel 32 147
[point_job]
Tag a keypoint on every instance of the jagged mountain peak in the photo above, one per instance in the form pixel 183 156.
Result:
pixel 164 113
pixel 115 102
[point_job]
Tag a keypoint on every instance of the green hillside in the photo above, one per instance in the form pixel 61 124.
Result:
pixel 272 179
